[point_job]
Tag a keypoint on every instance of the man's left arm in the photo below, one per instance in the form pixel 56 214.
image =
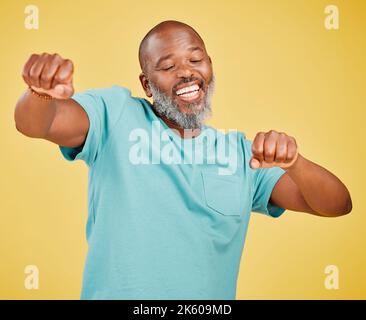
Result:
pixel 306 186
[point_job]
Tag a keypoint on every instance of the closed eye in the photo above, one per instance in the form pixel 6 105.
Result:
pixel 196 61
pixel 166 69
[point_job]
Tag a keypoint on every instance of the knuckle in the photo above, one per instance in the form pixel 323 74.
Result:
pixel 268 153
pixel 59 77
pixel 282 134
pixel 33 56
pixel 70 63
pixel 45 77
pixel 272 131
pixel 292 142
pixel 257 147
pixel 33 74
pixel 56 57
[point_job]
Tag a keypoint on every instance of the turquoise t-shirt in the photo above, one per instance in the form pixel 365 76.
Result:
pixel 167 217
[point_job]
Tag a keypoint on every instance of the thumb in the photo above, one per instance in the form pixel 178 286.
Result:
pixel 63 90
pixel 254 163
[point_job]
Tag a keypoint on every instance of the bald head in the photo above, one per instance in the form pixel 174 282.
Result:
pixel 173 56
pixel 160 34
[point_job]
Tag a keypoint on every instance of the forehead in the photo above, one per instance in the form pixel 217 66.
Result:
pixel 171 41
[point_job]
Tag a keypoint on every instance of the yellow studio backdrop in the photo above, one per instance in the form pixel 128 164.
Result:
pixel 277 67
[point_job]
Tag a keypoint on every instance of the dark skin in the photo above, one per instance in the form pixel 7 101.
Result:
pixel 172 54
pixel 305 187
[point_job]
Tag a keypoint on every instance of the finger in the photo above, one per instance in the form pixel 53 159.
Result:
pixel 291 151
pixel 64 73
pixel 254 163
pixel 63 91
pixel 27 67
pixel 36 70
pixel 257 146
pixel 49 71
pixel 281 148
pixel 270 144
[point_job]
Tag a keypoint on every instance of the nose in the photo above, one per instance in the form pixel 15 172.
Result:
pixel 184 72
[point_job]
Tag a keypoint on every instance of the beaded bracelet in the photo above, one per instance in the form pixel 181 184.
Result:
pixel 39 95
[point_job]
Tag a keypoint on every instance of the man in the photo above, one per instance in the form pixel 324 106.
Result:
pixel 168 209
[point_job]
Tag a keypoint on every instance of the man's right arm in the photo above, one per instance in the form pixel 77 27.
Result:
pixel 60 120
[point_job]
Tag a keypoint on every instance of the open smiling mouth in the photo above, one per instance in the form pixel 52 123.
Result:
pixel 189 94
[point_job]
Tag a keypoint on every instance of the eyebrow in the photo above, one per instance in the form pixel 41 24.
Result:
pixel 171 54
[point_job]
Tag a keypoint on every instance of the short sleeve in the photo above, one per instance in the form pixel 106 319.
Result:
pixel 263 180
pixel 103 107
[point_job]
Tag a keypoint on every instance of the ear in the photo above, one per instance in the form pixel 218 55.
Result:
pixel 145 84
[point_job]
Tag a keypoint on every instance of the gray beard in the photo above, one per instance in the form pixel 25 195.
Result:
pixel 165 106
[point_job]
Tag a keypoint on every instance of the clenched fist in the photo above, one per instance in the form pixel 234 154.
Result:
pixel 273 149
pixel 49 74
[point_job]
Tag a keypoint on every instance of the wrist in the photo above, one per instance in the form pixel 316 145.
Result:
pixel 43 96
pixel 296 164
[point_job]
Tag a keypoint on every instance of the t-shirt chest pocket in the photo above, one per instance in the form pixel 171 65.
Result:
pixel 222 193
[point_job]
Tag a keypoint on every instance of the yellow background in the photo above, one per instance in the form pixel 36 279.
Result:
pixel 276 67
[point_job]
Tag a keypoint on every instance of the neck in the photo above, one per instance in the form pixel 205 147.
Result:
pixel 184 133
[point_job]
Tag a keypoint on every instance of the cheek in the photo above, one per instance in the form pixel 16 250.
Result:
pixel 206 72
pixel 164 83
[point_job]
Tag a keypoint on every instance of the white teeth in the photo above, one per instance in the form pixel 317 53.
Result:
pixel 190 94
pixel 187 89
